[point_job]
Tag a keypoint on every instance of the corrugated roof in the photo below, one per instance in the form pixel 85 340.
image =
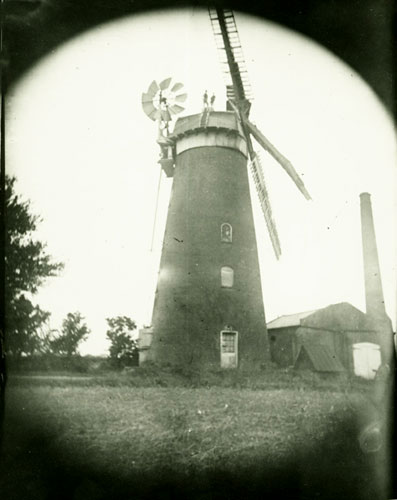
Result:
pixel 322 357
pixel 289 320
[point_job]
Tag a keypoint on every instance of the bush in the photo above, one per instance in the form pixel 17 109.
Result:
pixel 52 362
pixel 123 350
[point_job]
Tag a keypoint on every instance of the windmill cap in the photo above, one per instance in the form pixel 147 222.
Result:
pixel 217 128
pixel 216 119
pixel 365 194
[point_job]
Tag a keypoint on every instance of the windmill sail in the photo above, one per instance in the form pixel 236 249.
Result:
pixel 181 98
pixel 239 95
pixel 148 107
pixel 165 83
pixel 175 108
pixel 257 174
pixel 230 54
pixel 176 86
pixel 153 89
pixel 286 164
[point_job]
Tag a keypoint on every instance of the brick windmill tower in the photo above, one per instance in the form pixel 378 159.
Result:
pixel 208 309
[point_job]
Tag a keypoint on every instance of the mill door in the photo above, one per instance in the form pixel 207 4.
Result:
pixel 229 349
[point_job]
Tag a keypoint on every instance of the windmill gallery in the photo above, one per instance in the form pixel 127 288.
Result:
pixel 208 308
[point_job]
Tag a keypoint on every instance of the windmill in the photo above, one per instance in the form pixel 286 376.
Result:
pixel 208 308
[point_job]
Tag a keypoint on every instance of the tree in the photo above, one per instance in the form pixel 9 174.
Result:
pixel 27 320
pixel 123 349
pixel 73 332
pixel 27 266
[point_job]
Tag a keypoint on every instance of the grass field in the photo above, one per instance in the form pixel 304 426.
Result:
pixel 126 436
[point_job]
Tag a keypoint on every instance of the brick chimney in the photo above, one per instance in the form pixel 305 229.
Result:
pixel 374 300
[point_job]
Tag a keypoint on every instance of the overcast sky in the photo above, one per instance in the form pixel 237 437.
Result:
pixel 85 154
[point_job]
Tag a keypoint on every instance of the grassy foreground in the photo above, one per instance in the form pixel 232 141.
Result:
pixel 125 436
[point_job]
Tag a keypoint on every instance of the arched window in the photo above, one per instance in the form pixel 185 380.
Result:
pixel 227 277
pixel 226 232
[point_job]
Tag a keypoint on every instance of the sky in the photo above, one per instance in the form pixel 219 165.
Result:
pixel 85 155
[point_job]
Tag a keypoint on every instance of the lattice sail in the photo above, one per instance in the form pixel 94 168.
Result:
pixel 230 53
pixel 259 180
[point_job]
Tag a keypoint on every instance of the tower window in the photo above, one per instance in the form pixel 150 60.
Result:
pixel 226 232
pixel 227 277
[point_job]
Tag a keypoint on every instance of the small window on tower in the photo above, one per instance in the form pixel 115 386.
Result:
pixel 227 277
pixel 226 233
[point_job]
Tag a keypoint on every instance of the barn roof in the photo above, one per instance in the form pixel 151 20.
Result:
pixel 322 358
pixel 335 314
pixel 289 320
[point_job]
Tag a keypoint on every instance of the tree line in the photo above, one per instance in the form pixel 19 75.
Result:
pixel 27 266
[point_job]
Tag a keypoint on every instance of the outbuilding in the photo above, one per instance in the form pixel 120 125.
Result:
pixel 337 327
